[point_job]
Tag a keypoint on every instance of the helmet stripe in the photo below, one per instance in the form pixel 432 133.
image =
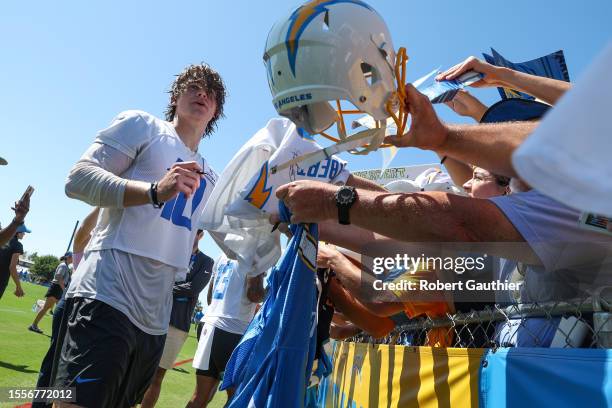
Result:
pixel 302 17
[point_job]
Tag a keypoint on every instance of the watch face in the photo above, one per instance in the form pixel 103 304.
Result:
pixel 345 196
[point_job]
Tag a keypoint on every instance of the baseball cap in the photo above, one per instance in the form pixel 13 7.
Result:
pixel 23 228
pixel 67 254
pixel 514 109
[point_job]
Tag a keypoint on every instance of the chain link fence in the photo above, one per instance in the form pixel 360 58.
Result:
pixel 576 323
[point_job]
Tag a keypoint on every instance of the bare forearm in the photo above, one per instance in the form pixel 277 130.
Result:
pixel 90 221
pixel 546 89
pixel 460 172
pixel 346 236
pixel 360 182
pixel 136 193
pixel 81 238
pixel 358 283
pixel 489 146
pixel 9 232
pixel 417 217
pixel 15 275
pixel 348 274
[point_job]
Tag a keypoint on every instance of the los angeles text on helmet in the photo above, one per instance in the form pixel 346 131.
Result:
pixel 292 98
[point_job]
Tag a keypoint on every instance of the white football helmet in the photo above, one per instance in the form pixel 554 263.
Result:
pixel 330 50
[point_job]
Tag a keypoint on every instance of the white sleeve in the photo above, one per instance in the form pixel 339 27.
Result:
pixel 129 132
pixel 95 177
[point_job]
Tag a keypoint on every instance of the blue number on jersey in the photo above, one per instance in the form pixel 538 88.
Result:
pixel 221 280
pixel 173 210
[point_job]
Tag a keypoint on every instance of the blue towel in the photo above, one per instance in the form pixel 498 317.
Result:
pixel 550 66
pixel 272 364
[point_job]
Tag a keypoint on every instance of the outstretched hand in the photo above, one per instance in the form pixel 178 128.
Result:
pixel 308 201
pixel 328 256
pixel 21 208
pixel 426 130
pixel 492 74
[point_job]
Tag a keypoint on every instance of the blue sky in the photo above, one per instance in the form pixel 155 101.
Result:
pixel 69 67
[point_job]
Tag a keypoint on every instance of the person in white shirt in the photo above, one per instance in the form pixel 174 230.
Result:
pixel 151 184
pixel 233 294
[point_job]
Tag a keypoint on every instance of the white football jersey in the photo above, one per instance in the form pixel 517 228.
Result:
pixel 258 197
pixel 229 301
pixel 165 234
pixel 237 212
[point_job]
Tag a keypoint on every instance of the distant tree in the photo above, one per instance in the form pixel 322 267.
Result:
pixel 30 256
pixel 44 266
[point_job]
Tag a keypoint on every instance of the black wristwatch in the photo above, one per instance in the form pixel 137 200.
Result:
pixel 153 196
pixel 345 197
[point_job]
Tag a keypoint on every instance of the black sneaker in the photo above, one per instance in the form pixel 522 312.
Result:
pixel 35 329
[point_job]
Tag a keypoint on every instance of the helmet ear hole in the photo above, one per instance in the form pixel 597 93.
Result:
pixel 369 73
pixel 326 21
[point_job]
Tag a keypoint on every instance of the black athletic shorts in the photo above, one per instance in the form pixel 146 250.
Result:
pixel 4 279
pixel 2 288
pixel 223 344
pixel 55 290
pixel 199 330
pixel 109 360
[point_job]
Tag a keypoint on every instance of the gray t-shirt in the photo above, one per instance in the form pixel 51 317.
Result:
pixel 575 261
pixel 62 271
pixel 139 287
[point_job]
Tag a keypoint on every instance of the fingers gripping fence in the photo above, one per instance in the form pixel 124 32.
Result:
pixel 576 323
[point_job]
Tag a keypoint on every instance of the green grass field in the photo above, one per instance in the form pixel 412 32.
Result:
pixel 21 351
